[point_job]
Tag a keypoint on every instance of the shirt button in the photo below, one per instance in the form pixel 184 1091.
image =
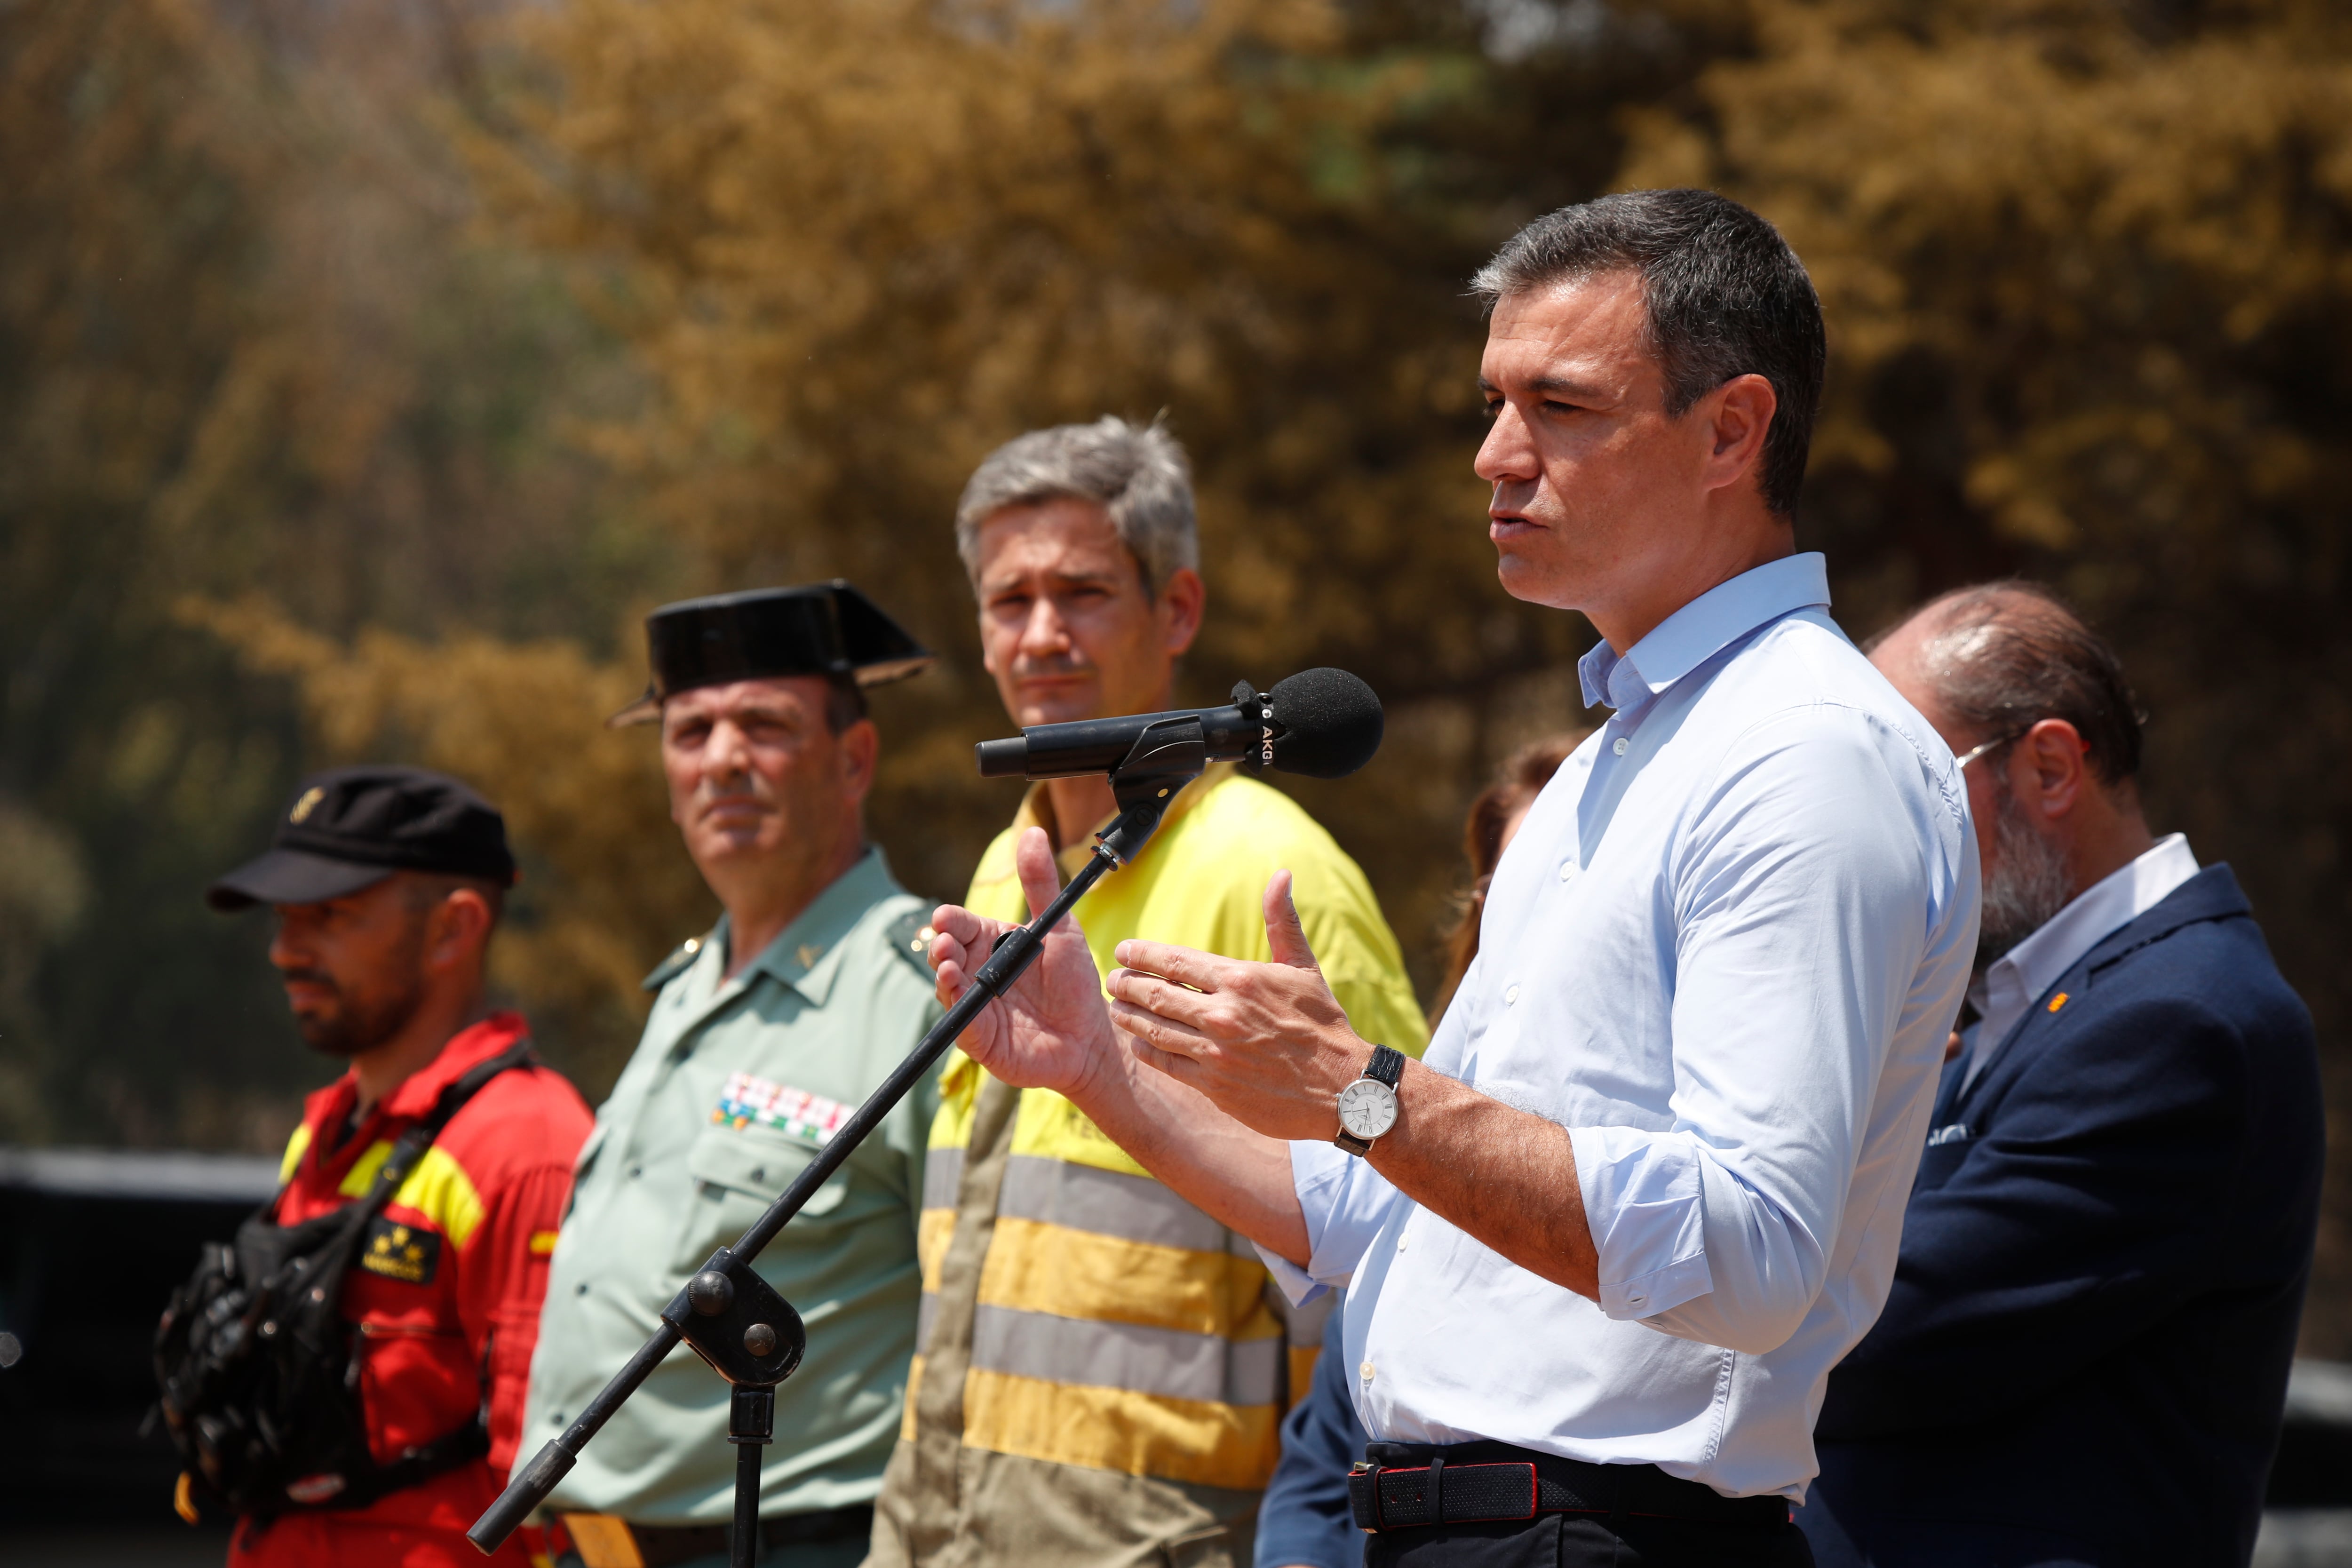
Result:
pixel 1510 996
pixel 1567 869
pixel 1365 1371
pixel 1620 747
pixel 581 1289
pixel 635 1171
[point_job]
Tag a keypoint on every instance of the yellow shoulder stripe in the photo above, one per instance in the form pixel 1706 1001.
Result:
pixel 361 1176
pixel 542 1243
pixel 296 1147
pixel 438 1189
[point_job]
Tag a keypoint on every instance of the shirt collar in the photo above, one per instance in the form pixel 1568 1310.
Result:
pixel 476 1042
pixel 805 954
pixel 2117 900
pixel 1701 629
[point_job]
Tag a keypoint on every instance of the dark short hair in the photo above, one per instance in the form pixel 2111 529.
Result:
pixel 2007 654
pixel 428 888
pixel 1724 294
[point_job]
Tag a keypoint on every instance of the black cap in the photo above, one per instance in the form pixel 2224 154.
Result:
pixel 825 628
pixel 348 827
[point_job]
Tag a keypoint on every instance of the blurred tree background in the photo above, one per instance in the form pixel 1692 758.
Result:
pixel 368 368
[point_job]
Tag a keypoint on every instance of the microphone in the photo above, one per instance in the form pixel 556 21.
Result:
pixel 1324 723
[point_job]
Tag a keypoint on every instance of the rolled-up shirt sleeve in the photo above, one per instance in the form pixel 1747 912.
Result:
pixel 1801 887
pixel 1346 1201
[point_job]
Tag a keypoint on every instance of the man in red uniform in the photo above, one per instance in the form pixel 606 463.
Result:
pixel 387 883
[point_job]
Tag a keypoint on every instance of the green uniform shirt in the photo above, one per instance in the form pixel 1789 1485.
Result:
pixel 729 1095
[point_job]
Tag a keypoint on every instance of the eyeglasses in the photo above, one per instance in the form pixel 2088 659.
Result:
pixel 1992 746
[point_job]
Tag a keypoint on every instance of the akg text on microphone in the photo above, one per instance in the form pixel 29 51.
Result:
pixel 1324 723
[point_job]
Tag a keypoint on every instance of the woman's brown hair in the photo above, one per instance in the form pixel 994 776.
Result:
pixel 1517 784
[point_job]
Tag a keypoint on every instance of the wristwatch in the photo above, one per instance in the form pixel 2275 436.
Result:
pixel 1368 1106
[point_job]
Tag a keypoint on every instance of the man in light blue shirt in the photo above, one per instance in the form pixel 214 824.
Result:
pixel 1603 1248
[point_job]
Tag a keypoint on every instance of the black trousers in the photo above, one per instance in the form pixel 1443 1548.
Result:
pixel 1586 1541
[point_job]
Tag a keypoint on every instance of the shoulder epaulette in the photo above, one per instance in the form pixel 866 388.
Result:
pixel 676 964
pixel 909 937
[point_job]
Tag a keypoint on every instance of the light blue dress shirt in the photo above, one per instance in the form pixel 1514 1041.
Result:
pixel 1725 953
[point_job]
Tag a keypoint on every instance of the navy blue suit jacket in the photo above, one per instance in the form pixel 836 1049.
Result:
pixel 2084 1355
pixel 1304 1518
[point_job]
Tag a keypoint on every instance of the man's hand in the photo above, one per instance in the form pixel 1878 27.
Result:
pixel 1268 1046
pixel 1266 1043
pixel 1050 1030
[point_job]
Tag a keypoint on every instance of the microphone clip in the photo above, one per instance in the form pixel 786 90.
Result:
pixel 1166 757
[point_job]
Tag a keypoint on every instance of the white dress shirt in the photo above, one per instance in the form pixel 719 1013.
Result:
pixel 2011 981
pixel 1725 952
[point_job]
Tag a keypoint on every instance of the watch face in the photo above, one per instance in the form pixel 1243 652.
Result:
pixel 1368 1108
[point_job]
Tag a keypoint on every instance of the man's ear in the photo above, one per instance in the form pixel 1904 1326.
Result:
pixel 1739 416
pixel 460 922
pixel 861 752
pixel 1183 600
pixel 2053 754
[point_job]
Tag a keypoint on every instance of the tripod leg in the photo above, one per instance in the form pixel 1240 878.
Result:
pixel 750 1426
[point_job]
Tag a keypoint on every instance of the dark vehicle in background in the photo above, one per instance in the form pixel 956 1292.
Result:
pixel 2307 1516
pixel 92 1242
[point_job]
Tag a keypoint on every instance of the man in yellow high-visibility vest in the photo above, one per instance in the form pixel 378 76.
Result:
pixel 1101 1366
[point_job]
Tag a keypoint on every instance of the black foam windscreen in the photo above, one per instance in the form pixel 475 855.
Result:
pixel 1331 721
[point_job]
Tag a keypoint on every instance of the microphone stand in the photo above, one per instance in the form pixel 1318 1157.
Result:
pixel 734 1319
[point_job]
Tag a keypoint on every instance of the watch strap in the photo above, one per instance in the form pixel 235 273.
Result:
pixel 1354 1145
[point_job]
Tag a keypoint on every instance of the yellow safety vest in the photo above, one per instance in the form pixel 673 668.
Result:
pixel 1115 1326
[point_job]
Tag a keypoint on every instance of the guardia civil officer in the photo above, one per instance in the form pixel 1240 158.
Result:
pixel 769 1030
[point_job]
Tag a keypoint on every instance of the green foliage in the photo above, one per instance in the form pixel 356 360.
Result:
pixel 247 344
pixel 2091 311
pixel 367 374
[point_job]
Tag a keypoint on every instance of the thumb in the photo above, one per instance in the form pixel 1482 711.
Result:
pixel 1041 879
pixel 1285 937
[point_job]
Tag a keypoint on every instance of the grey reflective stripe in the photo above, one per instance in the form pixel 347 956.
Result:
pixel 1166 1362
pixel 925 1313
pixel 1305 1324
pixel 942 1174
pixel 1107 1202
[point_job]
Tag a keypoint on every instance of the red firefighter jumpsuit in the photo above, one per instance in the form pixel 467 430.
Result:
pixel 446 1295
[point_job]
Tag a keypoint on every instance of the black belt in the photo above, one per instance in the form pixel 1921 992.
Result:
pixel 1407 1485
pixel 661 1545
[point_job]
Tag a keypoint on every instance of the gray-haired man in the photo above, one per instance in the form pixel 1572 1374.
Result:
pixel 1102 1367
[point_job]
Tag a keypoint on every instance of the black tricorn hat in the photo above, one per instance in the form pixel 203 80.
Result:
pixel 823 629
pixel 349 828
